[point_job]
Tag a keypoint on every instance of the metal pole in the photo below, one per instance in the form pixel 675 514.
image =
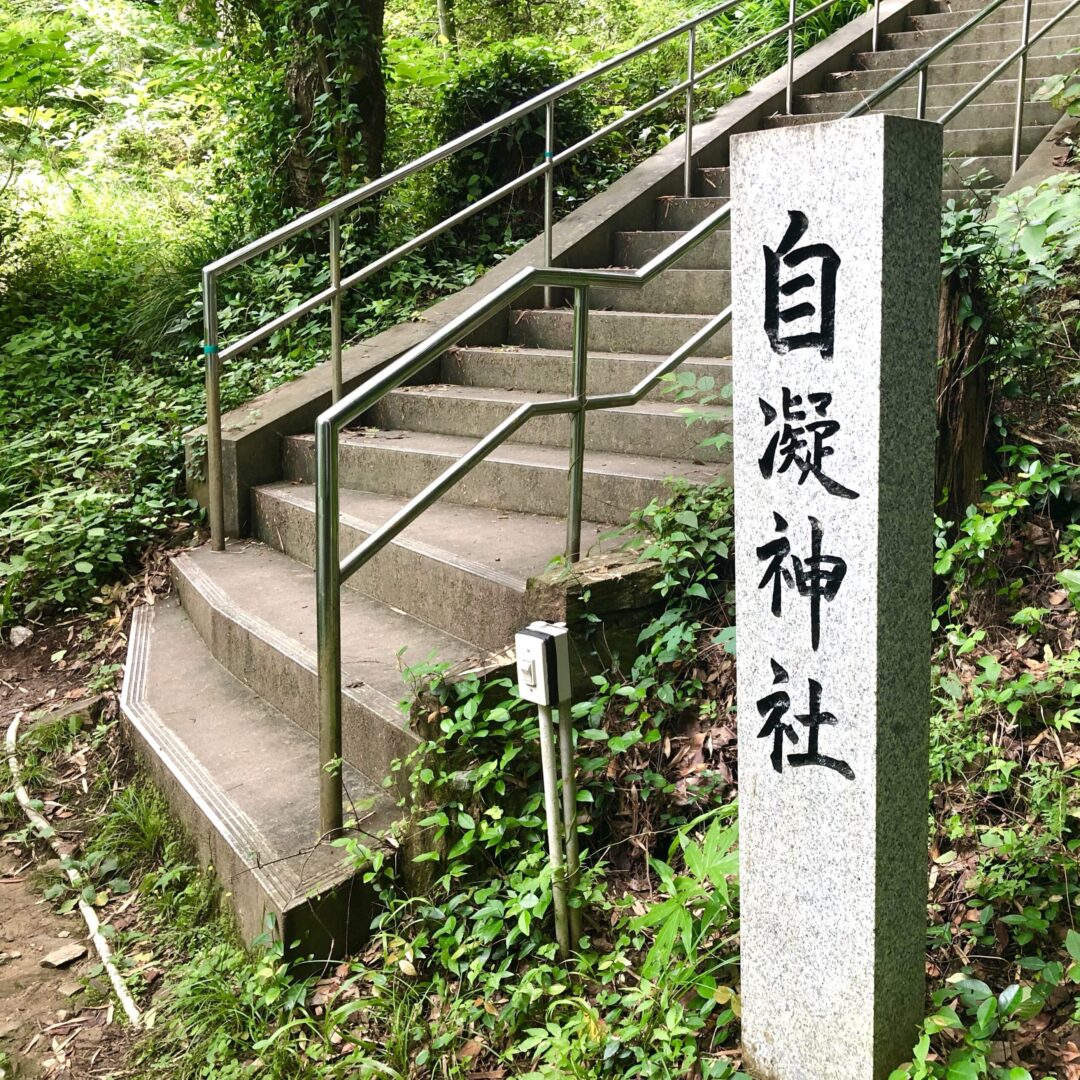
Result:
pixel 790 55
pixel 877 20
pixel 1018 119
pixel 569 810
pixel 554 830
pixel 328 607
pixel 688 168
pixel 549 191
pixel 577 430
pixel 213 413
pixel 335 307
pixel 920 108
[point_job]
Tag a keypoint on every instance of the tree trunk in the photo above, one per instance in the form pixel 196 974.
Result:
pixel 446 20
pixel 335 80
pixel 305 187
pixel 964 400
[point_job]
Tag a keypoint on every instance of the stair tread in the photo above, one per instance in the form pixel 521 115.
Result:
pixel 954 127
pixel 951 92
pixel 501 543
pixel 598 354
pixel 674 272
pixel 1004 31
pixel 255 777
pixel 262 586
pixel 451 391
pixel 713 202
pixel 452 447
pixel 690 320
pixel 959 52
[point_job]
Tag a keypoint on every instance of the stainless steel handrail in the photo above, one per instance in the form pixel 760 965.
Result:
pixel 216 354
pixel 332 571
pixel 921 67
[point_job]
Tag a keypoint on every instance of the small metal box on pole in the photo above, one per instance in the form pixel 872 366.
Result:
pixel 543 666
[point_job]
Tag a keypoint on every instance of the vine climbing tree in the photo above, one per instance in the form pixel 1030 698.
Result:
pixel 318 117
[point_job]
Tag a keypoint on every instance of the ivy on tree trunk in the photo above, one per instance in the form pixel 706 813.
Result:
pixel 328 58
pixel 334 81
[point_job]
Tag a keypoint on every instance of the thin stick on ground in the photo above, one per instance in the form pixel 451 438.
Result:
pixel 48 834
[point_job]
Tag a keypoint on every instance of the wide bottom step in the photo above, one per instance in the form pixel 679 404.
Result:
pixel 243 779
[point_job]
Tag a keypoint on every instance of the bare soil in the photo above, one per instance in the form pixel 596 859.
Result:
pixel 53 1022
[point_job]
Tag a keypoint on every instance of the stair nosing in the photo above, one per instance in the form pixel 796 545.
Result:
pixel 403 446
pixel 281 883
pixel 598 354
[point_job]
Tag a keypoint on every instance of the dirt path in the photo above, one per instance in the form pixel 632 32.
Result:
pixel 53 1022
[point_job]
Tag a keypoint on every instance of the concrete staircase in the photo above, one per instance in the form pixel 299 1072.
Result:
pixel 221 690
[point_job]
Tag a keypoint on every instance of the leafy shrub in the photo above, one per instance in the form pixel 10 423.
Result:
pixel 485 85
pixel 1062 90
pixel 90 467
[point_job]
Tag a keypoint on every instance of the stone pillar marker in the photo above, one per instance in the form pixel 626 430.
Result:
pixel 835 277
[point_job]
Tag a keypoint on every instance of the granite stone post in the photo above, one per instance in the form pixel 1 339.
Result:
pixel 835 242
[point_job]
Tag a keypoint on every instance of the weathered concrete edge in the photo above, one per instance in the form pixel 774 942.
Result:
pixel 1039 164
pixel 251 433
pixel 223 837
pixel 208 606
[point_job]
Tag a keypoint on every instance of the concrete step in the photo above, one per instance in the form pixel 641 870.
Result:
pixel 992 142
pixel 965 74
pixel 244 781
pixel 960 171
pixel 614 331
pixel 518 477
pixel 255 609
pixel 1006 35
pixel 964 196
pixel 671 292
pixel 455 567
pixel 976 116
pixel 937 96
pixel 552 369
pixel 658 427
pixel 637 248
pixel 971 6
pixel 896 59
pixel 949 20
pixel 713 182
pixel 678 213
pixel 963 141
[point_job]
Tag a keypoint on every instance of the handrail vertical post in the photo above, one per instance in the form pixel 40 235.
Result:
pixel 549 191
pixel 920 107
pixel 877 22
pixel 215 482
pixel 577 430
pixel 789 98
pixel 688 158
pixel 328 608
pixel 335 307
pixel 1021 80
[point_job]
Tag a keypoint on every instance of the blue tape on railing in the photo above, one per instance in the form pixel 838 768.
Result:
pixel 209 350
pixel 548 155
